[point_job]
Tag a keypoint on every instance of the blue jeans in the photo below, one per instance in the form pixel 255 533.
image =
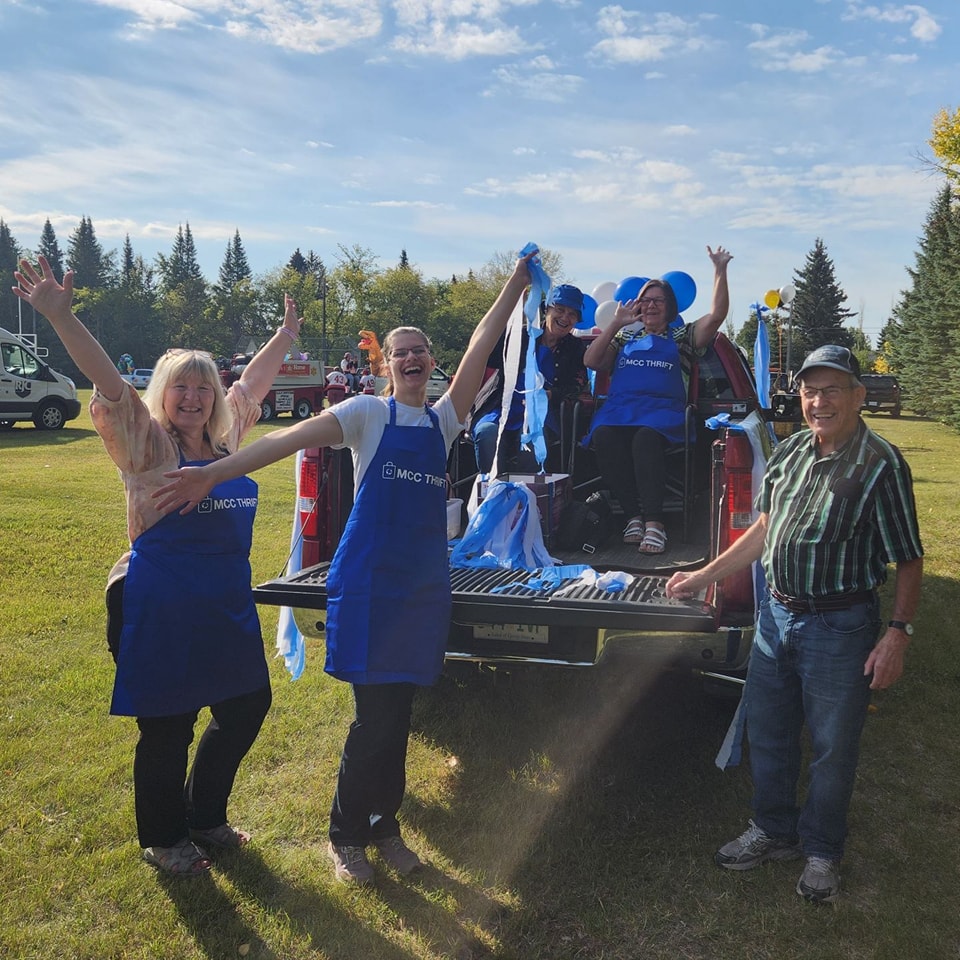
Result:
pixel 808 668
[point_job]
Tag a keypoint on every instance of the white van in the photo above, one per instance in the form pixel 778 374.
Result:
pixel 31 390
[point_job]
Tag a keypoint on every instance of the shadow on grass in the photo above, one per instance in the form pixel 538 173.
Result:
pixel 212 917
pixel 562 775
pixel 26 436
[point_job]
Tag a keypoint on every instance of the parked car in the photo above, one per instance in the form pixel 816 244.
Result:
pixel 139 378
pixel 710 496
pixel 437 385
pixel 32 390
pixel 883 393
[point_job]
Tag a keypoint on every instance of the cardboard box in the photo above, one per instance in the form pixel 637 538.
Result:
pixel 552 492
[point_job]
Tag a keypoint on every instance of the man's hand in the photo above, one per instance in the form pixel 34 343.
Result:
pixel 683 586
pixel 886 659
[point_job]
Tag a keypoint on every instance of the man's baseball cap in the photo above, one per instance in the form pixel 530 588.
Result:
pixel 832 356
pixel 566 295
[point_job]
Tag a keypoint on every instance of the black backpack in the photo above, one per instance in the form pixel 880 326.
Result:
pixel 585 525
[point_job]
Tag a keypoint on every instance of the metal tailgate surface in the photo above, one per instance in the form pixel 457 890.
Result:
pixel 641 606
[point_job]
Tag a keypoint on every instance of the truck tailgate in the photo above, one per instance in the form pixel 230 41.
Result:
pixel 642 606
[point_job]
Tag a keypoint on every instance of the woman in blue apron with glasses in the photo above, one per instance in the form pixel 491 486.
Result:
pixel 388 607
pixel 182 625
pixel 644 412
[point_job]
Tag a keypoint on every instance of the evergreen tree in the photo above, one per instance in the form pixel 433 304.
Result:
pixel 235 266
pixel 9 261
pixel 183 303
pixel 404 261
pixel 93 268
pixel 297 262
pixel 50 249
pixel 927 314
pixel 182 265
pixel 817 312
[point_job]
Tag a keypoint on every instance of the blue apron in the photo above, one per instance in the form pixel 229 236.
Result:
pixel 646 390
pixel 389 602
pixel 191 636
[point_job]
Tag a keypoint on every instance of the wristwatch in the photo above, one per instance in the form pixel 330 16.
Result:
pixel 907 628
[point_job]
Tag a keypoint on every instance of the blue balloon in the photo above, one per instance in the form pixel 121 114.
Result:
pixel 684 289
pixel 628 289
pixel 587 314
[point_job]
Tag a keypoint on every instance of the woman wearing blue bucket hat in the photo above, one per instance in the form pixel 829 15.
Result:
pixel 559 361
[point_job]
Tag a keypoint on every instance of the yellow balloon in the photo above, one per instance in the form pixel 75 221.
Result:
pixel 772 299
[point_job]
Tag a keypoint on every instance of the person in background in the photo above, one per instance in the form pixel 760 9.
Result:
pixel 835 508
pixel 182 625
pixel 645 410
pixel 348 358
pixel 390 565
pixel 559 361
pixel 368 382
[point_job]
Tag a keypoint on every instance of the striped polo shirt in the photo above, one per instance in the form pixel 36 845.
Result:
pixel 836 521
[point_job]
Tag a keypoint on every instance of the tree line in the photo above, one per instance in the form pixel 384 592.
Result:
pixel 140 308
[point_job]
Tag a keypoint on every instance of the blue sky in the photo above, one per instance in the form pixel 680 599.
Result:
pixel 625 137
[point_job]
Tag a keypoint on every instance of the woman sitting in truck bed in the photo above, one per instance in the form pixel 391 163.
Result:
pixel 644 413
pixel 391 565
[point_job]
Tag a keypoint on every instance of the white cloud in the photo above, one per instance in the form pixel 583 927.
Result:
pixel 546 86
pixel 461 41
pixel 308 26
pixel 923 25
pixel 635 38
pixel 779 51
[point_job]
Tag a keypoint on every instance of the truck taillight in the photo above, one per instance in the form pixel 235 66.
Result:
pixel 739 466
pixel 309 488
pixel 737 589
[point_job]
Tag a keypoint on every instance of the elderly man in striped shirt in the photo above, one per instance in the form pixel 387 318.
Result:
pixel 835 508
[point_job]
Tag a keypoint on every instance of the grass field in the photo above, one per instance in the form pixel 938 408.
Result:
pixel 563 815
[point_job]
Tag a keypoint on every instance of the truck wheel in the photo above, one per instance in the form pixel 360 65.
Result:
pixel 49 416
pixel 7 424
pixel 895 412
pixel 266 410
pixel 303 409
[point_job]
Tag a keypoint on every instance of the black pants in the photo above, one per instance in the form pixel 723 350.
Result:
pixel 632 461
pixel 168 802
pixel 373 777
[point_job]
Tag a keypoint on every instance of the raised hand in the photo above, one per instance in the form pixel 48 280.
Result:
pixel 290 319
pixel 42 291
pixel 720 257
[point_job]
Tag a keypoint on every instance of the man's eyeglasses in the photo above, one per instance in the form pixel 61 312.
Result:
pixel 828 393
pixel 651 301
pixel 402 353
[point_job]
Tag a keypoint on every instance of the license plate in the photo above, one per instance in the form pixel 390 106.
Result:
pixel 516 632
pixel 873 403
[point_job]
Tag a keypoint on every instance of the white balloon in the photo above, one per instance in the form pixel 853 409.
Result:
pixel 787 293
pixel 606 314
pixel 604 291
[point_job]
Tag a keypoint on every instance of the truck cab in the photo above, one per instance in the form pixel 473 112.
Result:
pixel 32 390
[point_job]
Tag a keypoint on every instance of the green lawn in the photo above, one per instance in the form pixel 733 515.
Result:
pixel 564 815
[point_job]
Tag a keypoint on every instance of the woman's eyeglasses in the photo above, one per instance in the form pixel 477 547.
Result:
pixel 651 301
pixel 401 353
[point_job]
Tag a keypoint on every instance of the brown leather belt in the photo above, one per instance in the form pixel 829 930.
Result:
pixel 837 601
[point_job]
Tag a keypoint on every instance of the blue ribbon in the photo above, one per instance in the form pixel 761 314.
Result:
pixel 535 397
pixel 761 363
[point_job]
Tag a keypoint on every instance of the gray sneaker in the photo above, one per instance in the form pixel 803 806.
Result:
pixel 398 855
pixel 820 880
pixel 351 864
pixel 753 847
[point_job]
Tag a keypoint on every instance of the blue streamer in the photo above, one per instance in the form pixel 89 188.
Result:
pixel 535 397
pixel 761 363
